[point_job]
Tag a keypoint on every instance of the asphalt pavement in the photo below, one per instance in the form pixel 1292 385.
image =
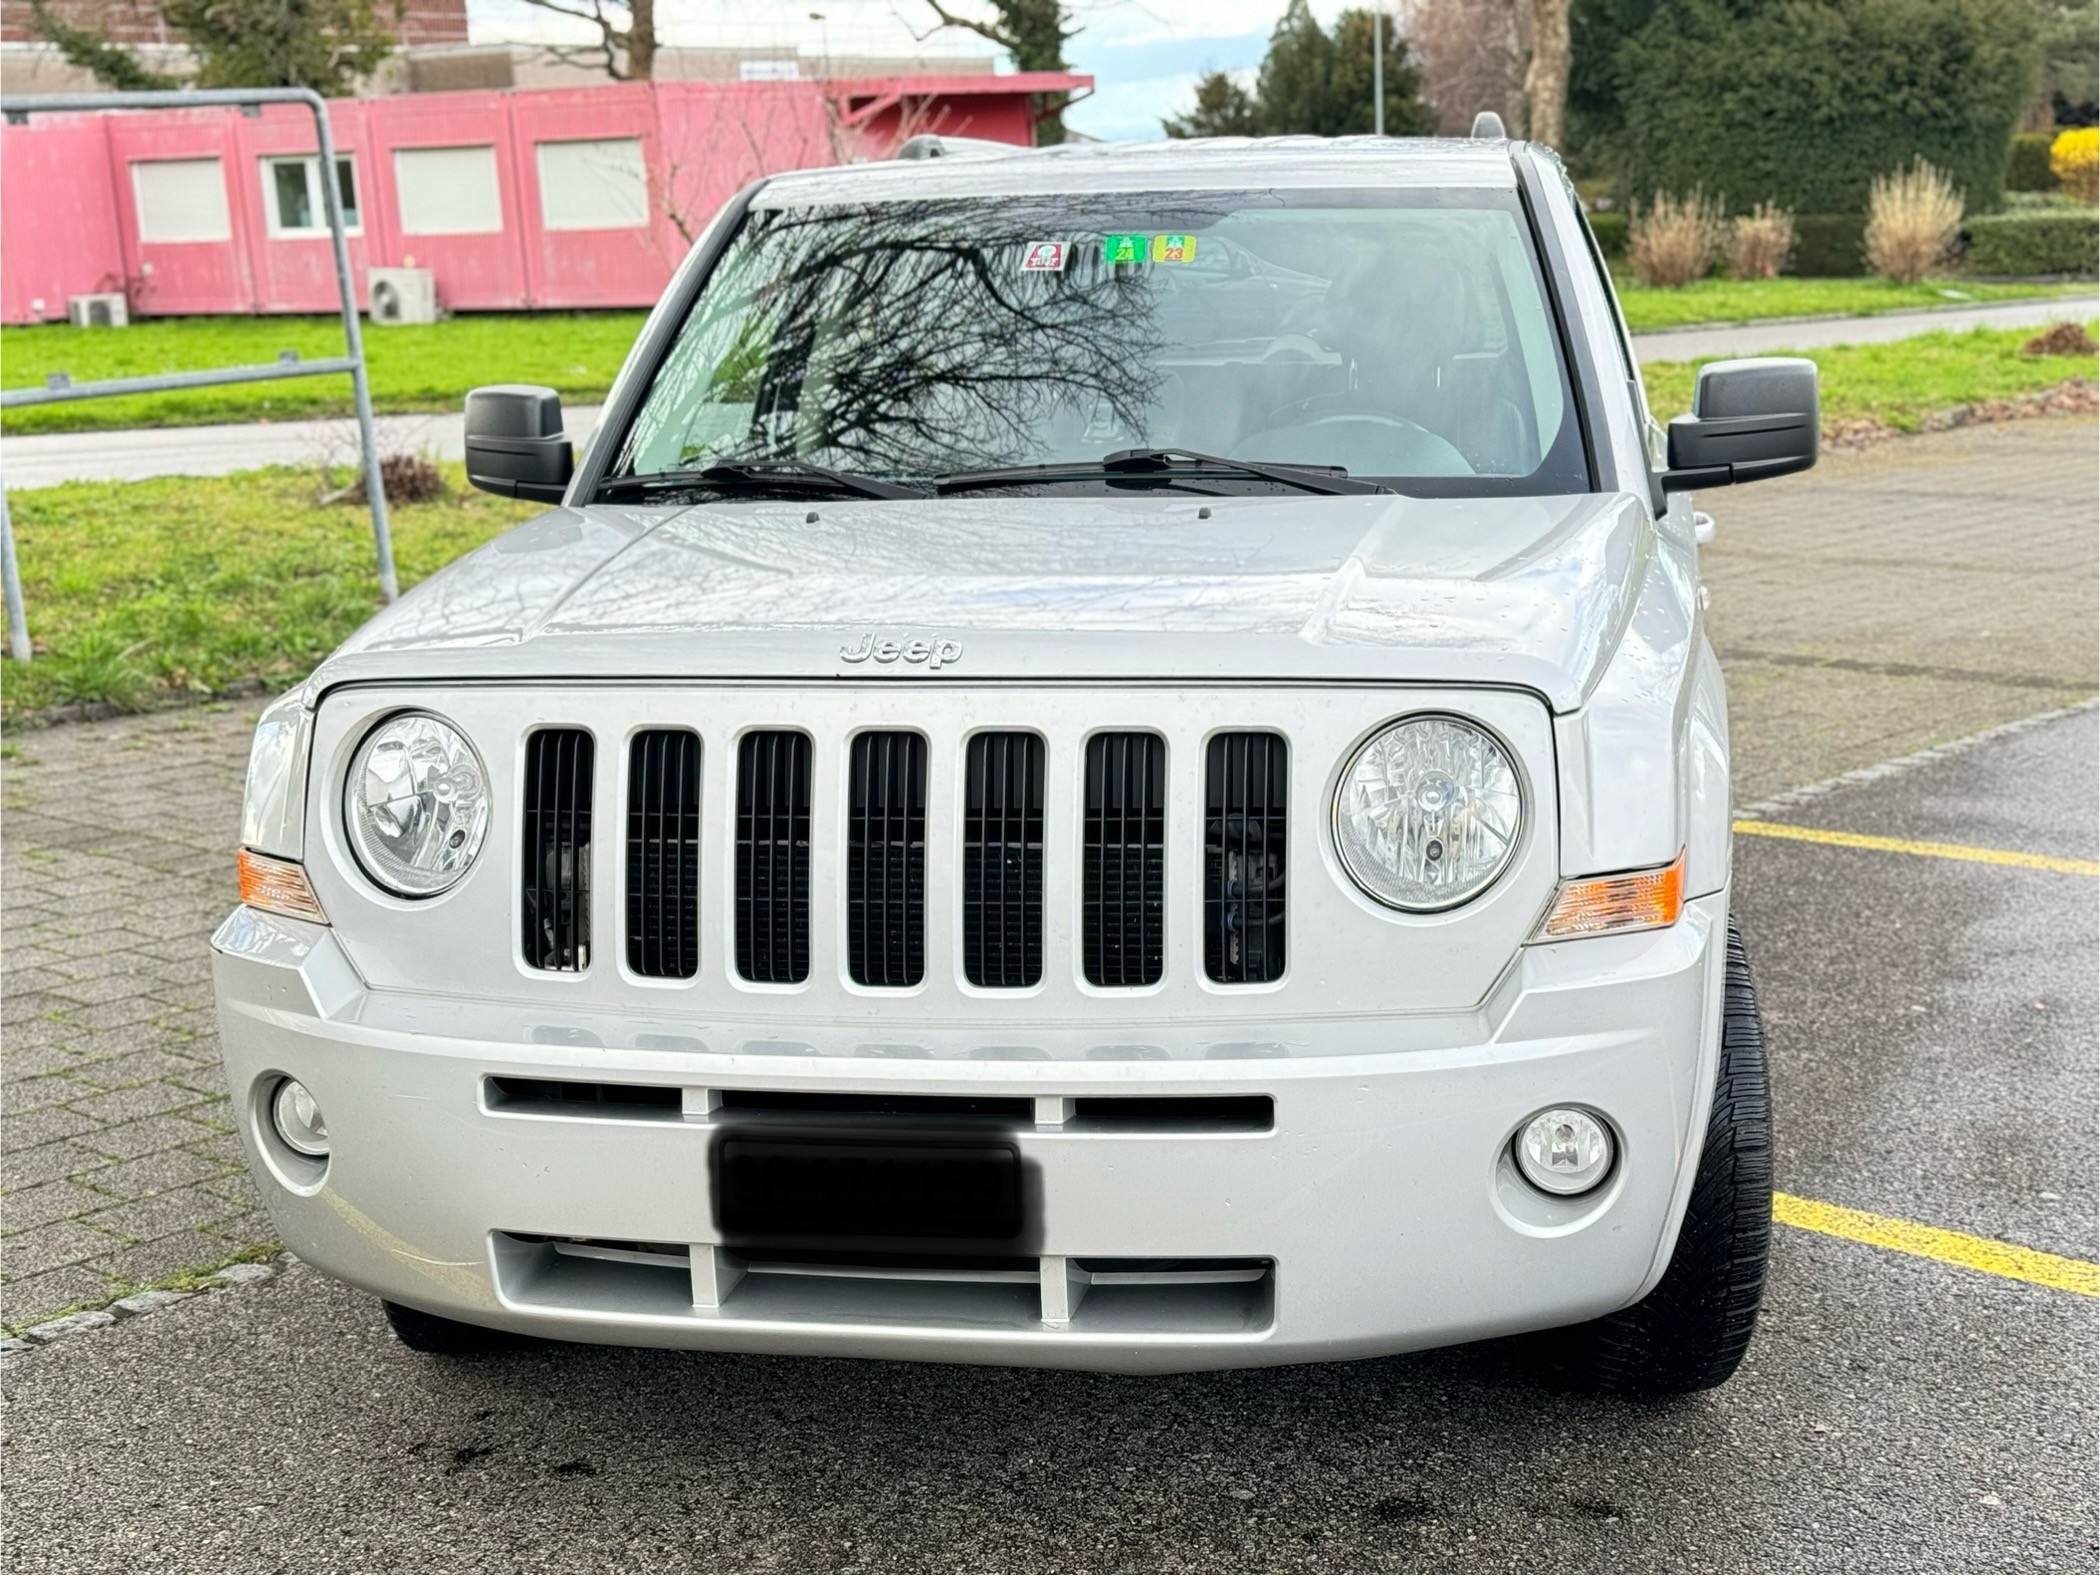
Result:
pixel 1933 1026
pixel 1932 1015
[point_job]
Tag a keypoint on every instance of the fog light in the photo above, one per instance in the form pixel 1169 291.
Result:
pixel 298 1120
pixel 1564 1151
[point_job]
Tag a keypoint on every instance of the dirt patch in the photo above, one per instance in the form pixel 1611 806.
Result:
pixel 2061 339
pixel 2072 397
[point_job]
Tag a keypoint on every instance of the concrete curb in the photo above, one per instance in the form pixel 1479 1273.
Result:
pixel 1795 797
pixel 138 1305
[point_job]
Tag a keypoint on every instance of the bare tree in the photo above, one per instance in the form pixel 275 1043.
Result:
pixel 626 35
pixel 1546 80
pixel 1471 55
pixel 1033 32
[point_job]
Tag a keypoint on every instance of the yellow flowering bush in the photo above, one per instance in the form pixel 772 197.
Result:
pixel 2075 157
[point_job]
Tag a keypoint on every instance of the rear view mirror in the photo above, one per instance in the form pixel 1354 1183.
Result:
pixel 515 444
pixel 1750 419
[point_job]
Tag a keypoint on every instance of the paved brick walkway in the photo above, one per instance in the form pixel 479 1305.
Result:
pixel 1892 599
pixel 116 1156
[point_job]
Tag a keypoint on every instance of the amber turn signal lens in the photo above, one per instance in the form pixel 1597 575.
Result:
pixel 1646 901
pixel 278 886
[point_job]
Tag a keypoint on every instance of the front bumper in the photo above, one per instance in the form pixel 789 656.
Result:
pixel 1380 1211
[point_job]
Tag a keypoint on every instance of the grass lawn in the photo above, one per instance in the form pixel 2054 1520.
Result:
pixel 1902 382
pixel 577 353
pixel 137 588
pixel 1747 301
pixel 412 369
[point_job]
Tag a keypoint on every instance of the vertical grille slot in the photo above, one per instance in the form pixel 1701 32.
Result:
pixel 556 871
pixel 1123 859
pixel 1002 907
pixel 663 854
pixel 1245 798
pixel 772 858
pixel 886 860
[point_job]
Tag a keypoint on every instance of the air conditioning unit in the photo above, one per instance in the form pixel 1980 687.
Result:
pixel 105 310
pixel 401 295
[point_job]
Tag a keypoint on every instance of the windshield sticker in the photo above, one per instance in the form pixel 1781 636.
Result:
pixel 1173 248
pixel 1124 249
pixel 1043 257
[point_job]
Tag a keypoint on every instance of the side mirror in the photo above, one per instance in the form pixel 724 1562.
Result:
pixel 1750 419
pixel 515 444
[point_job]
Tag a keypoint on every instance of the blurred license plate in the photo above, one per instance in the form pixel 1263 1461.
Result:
pixel 826 1187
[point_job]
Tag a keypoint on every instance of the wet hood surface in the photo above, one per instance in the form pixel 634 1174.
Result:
pixel 1527 592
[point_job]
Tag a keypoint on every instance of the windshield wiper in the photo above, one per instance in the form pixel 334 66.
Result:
pixel 1167 465
pixel 800 474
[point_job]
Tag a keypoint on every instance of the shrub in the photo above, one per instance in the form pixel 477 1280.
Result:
pixel 1913 222
pixel 2035 241
pixel 1763 240
pixel 1675 239
pixel 1804 102
pixel 1830 245
pixel 405 478
pixel 2027 163
pixel 2075 157
pixel 1610 229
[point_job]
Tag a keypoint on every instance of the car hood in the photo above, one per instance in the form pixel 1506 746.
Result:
pixel 1527 592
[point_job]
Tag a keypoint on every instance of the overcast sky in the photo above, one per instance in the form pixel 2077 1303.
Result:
pixel 1143 54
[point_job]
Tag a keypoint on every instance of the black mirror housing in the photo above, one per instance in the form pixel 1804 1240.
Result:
pixel 515 444
pixel 1750 419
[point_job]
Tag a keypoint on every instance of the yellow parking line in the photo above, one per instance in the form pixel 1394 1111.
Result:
pixel 1904 845
pixel 1949 1247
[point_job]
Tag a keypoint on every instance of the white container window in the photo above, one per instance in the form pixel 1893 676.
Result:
pixel 597 185
pixel 181 200
pixel 293 200
pixel 448 191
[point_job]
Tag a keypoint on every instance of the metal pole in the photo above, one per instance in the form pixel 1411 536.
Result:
pixel 17 624
pixel 353 340
pixel 20 108
pixel 1378 70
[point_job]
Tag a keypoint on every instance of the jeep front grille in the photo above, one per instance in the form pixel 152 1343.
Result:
pixel 886 860
pixel 1002 874
pixel 663 854
pixel 1123 859
pixel 556 865
pixel 772 857
pixel 1245 790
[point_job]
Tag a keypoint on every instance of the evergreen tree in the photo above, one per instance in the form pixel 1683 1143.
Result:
pixel 1223 109
pixel 1315 82
pixel 1297 78
pixel 326 45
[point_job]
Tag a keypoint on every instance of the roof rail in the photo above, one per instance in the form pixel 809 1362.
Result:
pixel 929 145
pixel 1487 127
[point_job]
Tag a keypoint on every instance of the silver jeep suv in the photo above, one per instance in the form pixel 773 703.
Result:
pixel 1108 759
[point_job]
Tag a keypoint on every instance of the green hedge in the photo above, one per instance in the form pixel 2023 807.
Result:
pixel 1805 102
pixel 2027 163
pixel 1610 230
pixel 2035 241
pixel 1829 245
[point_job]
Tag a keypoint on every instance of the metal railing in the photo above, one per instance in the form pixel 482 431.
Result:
pixel 60 388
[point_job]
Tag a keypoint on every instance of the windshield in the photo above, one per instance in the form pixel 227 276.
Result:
pixel 1402 337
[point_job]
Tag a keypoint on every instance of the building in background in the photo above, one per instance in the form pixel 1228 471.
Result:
pixel 437 55
pixel 574 197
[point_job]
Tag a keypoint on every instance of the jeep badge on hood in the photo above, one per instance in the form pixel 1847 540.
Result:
pixel 934 653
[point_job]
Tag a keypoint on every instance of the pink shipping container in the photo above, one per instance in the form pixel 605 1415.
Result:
pixel 564 198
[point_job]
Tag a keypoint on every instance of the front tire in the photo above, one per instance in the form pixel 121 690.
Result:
pixel 428 1332
pixel 1691 1331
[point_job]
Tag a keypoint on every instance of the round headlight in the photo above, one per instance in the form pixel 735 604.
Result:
pixel 416 805
pixel 1428 813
